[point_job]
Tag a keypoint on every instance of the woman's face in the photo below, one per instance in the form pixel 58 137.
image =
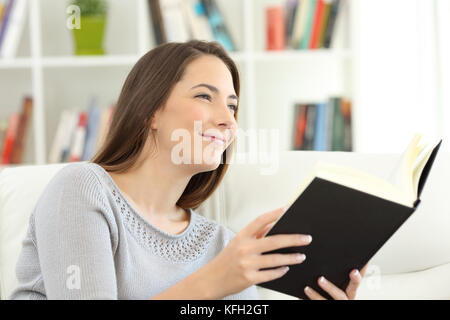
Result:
pixel 202 103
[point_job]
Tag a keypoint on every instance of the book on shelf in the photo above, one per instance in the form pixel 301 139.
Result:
pixel 276 23
pixel 80 134
pixel 181 20
pixel 13 16
pixel 14 133
pixel 323 126
pixel 350 215
pixel 310 24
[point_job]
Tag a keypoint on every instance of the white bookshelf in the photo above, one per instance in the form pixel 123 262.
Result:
pixel 271 82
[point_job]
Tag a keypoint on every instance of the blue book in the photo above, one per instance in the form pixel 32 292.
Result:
pixel 320 134
pixel 217 24
pixel 92 130
pixel 4 22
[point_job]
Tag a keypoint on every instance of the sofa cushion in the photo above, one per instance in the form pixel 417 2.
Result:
pixel 20 188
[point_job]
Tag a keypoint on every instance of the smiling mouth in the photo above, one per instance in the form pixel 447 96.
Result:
pixel 213 139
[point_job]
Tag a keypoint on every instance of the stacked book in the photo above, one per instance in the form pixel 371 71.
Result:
pixel 182 20
pixel 323 126
pixel 14 133
pixel 303 24
pixel 13 16
pixel 80 133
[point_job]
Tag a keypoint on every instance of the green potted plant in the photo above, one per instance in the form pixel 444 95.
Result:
pixel 89 37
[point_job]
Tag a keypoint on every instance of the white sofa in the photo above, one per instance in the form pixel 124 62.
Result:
pixel 413 264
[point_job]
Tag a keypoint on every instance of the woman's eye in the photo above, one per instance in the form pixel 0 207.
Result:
pixel 233 107
pixel 204 95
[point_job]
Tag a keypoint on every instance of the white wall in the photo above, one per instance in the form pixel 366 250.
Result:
pixel 396 91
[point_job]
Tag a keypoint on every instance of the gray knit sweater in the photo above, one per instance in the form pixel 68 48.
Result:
pixel 85 241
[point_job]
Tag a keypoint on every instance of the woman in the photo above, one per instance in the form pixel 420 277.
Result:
pixel 123 225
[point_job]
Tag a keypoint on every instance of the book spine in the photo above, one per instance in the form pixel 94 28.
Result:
pixel 69 136
pixel 331 23
pixel 198 22
pixel 315 32
pixel 320 126
pixel 76 150
pixel 4 25
pixel 92 130
pixel 347 113
pixel 16 24
pixel 323 27
pixel 308 27
pixel 157 22
pixel 310 127
pixel 330 117
pixel 22 130
pixel 2 10
pixel 300 23
pixel 218 25
pixel 10 137
pixel 3 128
pixel 57 145
pixel 275 22
pixel 338 126
pixel 174 21
pixel 299 126
pixel 291 10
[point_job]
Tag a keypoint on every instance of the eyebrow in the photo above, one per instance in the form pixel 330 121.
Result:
pixel 214 89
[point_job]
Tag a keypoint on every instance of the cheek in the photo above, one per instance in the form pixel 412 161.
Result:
pixel 196 113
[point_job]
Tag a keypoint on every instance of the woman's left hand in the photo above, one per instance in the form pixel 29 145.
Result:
pixel 334 291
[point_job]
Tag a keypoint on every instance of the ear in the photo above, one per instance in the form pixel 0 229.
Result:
pixel 153 121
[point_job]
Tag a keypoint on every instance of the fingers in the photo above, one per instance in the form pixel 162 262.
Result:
pixel 331 289
pixel 312 294
pixel 355 281
pixel 278 241
pixel 268 275
pixel 363 270
pixel 279 259
pixel 265 230
pixel 256 226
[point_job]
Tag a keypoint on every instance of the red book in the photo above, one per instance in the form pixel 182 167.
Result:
pixel 300 127
pixel 276 28
pixel 22 130
pixel 317 23
pixel 10 138
pixel 77 147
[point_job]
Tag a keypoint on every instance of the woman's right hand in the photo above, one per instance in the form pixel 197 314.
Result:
pixel 238 265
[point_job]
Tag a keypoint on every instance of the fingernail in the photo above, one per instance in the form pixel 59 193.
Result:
pixel 300 257
pixel 307 289
pixel 322 280
pixel 309 238
pixel 356 273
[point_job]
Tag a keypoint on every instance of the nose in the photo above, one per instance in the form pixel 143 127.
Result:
pixel 225 121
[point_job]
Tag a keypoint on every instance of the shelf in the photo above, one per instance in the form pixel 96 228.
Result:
pixel 300 54
pixel 128 60
pixel 16 63
pixel 89 61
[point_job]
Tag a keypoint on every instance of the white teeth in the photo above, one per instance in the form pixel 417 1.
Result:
pixel 216 140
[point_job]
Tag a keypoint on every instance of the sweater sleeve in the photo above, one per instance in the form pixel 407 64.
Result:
pixel 74 236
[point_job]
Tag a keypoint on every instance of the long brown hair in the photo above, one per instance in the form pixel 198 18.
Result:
pixel 146 89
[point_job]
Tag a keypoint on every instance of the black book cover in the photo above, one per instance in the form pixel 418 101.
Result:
pixel 331 23
pixel 348 227
pixel 157 22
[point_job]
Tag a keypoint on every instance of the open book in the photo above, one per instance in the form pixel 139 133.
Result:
pixel 350 215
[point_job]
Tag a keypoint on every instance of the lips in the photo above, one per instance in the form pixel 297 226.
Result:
pixel 213 138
